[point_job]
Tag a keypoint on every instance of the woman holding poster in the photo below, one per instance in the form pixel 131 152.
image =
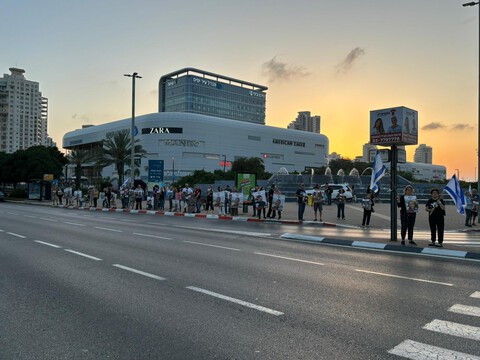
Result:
pixel 278 203
pixel 408 205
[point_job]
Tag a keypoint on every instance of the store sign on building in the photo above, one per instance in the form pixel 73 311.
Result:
pixel 288 142
pixel 185 143
pixel 162 130
pixel 394 126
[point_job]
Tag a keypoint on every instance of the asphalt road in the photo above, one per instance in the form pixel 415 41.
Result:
pixel 95 285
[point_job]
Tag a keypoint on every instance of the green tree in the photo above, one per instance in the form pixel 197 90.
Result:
pixel 79 158
pixel 251 165
pixel 117 151
pixel 32 163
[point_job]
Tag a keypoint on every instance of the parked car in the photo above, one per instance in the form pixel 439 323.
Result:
pixel 335 188
pixel 2 196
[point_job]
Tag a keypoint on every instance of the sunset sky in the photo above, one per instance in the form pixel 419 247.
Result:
pixel 337 59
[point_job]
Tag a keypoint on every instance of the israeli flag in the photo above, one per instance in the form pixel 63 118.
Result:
pixel 378 172
pixel 126 182
pixel 456 193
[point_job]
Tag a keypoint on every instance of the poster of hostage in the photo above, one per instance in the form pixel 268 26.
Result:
pixel 394 126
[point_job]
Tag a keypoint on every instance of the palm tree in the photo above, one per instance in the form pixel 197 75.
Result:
pixel 79 158
pixel 117 151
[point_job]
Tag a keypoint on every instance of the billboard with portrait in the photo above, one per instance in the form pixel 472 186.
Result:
pixel 394 126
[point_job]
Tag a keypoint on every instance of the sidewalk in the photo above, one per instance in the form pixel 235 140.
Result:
pixel 380 221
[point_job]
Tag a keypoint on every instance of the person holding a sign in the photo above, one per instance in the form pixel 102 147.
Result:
pixel 317 202
pixel 436 217
pixel 475 203
pixel 301 201
pixel 408 205
pixel 367 205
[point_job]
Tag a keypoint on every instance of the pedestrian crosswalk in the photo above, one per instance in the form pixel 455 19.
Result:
pixel 411 349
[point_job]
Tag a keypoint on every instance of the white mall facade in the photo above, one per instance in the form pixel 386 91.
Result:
pixel 186 142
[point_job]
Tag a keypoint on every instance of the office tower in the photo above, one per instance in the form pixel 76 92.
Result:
pixel 201 92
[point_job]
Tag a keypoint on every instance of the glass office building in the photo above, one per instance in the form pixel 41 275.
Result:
pixel 196 91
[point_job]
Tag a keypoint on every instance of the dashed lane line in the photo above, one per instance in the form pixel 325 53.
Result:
pixel 410 349
pixel 47 219
pixel 454 329
pixel 236 301
pixel 404 277
pixel 156 277
pixel 288 258
pixel 75 224
pixel 107 229
pixel 215 246
pixel 48 244
pixel 82 254
pixel 153 236
pixel 16 235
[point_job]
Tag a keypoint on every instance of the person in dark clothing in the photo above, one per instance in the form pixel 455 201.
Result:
pixel 436 217
pixel 301 201
pixel 270 201
pixel 367 204
pixel 408 207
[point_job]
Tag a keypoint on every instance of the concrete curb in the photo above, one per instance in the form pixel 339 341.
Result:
pixel 388 247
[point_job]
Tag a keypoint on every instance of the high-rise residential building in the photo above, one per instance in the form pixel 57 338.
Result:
pixel 423 154
pixel 23 113
pixel 201 92
pixel 306 122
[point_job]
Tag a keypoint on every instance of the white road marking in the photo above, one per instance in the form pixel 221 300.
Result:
pixel 236 301
pixel 17 235
pixel 139 272
pixel 476 294
pixel 454 329
pixel 107 229
pixel 288 258
pixel 302 237
pixel 235 232
pixel 414 350
pixel 153 236
pixel 215 246
pixel 76 224
pixel 82 254
pixel 48 244
pixel 30 216
pixel 404 277
pixel 465 310
pixel 47 219
pixel 12 213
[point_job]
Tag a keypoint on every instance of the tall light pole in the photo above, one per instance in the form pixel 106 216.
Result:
pixel 458 174
pixel 473 3
pixel 224 162
pixel 132 153
pixel 173 169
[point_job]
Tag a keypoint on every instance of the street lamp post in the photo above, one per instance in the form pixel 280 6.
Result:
pixel 473 3
pixel 224 162
pixel 132 153
pixel 458 174
pixel 173 169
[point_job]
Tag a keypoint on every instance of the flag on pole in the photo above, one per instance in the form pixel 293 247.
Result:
pixel 378 172
pixel 456 193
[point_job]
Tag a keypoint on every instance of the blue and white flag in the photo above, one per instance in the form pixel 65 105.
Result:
pixel 455 191
pixel 126 182
pixel 378 172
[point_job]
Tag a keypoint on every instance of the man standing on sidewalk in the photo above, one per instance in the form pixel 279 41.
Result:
pixel 301 201
pixel 138 197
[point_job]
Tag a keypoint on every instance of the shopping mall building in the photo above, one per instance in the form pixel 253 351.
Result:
pixel 205 122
